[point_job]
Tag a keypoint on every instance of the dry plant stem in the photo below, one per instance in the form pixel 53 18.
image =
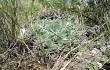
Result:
pixel 59 62
pixel 8 50
pixel 29 49
pixel 66 64
pixel 106 61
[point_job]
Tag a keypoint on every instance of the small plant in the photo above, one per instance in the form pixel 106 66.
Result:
pixel 55 33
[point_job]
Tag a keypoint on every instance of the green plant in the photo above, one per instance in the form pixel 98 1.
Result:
pixel 55 33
